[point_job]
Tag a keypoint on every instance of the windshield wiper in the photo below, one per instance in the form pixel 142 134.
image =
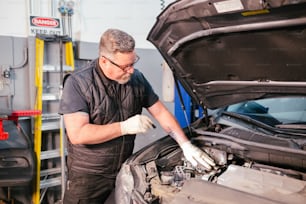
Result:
pixel 265 126
pixel 247 119
pixel 300 126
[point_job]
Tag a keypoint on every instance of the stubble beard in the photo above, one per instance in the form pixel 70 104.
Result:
pixel 126 78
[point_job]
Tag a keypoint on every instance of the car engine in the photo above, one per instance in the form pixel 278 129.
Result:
pixel 171 177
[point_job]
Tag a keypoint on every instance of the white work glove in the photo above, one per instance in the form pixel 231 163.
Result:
pixel 196 156
pixel 136 124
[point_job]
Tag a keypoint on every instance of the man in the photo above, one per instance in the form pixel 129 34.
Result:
pixel 102 105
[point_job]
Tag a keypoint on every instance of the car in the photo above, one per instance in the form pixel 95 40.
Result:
pixel 243 63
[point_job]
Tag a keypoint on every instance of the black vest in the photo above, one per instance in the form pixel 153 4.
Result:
pixel 108 102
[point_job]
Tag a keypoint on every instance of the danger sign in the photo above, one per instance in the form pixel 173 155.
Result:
pixel 45 25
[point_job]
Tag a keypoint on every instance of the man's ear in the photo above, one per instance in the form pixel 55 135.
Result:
pixel 102 60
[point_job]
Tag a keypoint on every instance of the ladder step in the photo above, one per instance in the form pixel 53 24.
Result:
pixel 50 121
pixel 50 182
pixel 50 154
pixel 53 125
pixel 52 68
pixel 50 116
pixel 52 171
pixel 50 97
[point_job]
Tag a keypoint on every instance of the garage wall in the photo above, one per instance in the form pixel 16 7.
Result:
pixel 15 76
pixel 13 18
pixel 90 19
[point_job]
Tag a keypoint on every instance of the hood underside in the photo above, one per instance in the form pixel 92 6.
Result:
pixel 228 51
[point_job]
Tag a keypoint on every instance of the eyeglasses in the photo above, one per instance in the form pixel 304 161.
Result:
pixel 124 68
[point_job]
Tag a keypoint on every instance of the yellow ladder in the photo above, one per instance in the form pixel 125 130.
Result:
pixel 65 44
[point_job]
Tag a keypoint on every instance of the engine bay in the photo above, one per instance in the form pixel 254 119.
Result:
pixel 172 176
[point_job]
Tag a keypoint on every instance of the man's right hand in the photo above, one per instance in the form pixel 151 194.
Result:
pixel 136 124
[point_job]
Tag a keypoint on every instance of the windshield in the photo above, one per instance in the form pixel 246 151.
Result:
pixel 274 111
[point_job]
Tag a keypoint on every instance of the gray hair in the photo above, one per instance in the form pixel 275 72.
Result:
pixel 114 40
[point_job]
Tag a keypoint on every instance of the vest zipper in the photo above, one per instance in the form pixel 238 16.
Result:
pixel 123 137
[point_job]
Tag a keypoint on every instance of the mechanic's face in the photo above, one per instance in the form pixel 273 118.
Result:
pixel 120 66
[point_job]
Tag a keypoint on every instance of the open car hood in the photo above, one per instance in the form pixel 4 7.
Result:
pixel 228 51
